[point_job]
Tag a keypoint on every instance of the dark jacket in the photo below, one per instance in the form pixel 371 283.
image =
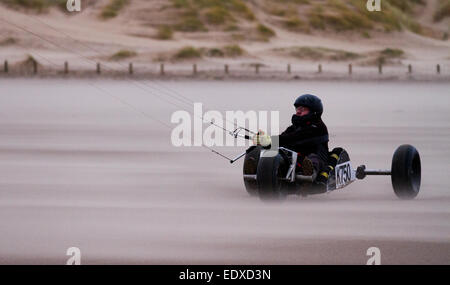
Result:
pixel 306 137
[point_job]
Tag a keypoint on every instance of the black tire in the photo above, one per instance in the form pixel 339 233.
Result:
pixel 269 172
pixel 406 172
pixel 250 167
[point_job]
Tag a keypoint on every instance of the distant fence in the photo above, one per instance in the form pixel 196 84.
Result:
pixel 308 70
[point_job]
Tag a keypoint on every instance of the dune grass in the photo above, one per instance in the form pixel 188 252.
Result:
pixel 164 33
pixel 320 53
pixel 237 7
pixel 292 1
pixel 338 18
pixel 36 5
pixel 196 14
pixel 392 52
pixel 8 41
pixel 217 16
pixel 294 23
pixel 123 54
pixel 395 15
pixel 215 52
pixel 352 15
pixel 443 11
pixel 187 52
pixel 233 50
pixel 387 56
pixel 189 21
pixel 226 51
pixel 265 31
pixel 112 9
pixel 406 5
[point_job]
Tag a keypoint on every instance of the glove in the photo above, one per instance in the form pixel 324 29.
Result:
pixel 262 139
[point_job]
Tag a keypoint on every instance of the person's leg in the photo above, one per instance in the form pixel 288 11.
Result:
pixel 313 164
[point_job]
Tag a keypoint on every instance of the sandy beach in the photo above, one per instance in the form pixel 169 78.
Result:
pixel 78 167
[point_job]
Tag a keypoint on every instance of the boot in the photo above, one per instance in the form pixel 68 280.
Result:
pixel 307 167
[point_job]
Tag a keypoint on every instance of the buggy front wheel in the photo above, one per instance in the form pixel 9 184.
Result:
pixel 269 177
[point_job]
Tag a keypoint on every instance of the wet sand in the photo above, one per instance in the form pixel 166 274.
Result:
pixel 78 167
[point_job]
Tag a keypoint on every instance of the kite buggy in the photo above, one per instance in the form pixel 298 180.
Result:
pixel 298 160
pixel 274 174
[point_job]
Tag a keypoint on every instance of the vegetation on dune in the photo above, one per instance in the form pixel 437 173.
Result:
pixel 353 15
pixel 385 56
pixel 295 24
pixel 190 52
pixel 233 50
pixel 395 16
pixel 240 8
pixel 406 5
pixel 218 16
pixel 304 16
pixel 231 28
pixel 112 9
pixel 265 31
pixel 227 51
pixel 392 52
pixel 345 21
pixel 36 5
pixel 123 54
pixel 215 52
pixel 319 53
pixel 443 11
pixel 164 33
pixel 345 15
pixel 187 52
pixel 237 7
pixel 292 1
pixel 190 22
pixel 196 14
pixel 283 8
pixel 8 41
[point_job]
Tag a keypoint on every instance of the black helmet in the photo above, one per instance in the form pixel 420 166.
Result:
pixel 312 102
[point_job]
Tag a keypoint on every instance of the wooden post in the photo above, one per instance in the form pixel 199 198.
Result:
pixel 257 68
pixel 6 66
pixel 438 69
pixel 130 68
pixel 226 68
pixel 194 69
pixel 289 68
pixel 98 68
pixel 380 68
pixel 350 71
pixel 66 67
pixel 320 68
pixel 35 67
pixel 161 69
pixel 409 68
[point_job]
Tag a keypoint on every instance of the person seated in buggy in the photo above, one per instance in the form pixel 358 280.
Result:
pixel 308 136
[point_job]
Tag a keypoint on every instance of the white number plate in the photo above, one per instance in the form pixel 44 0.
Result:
pixel 344 174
